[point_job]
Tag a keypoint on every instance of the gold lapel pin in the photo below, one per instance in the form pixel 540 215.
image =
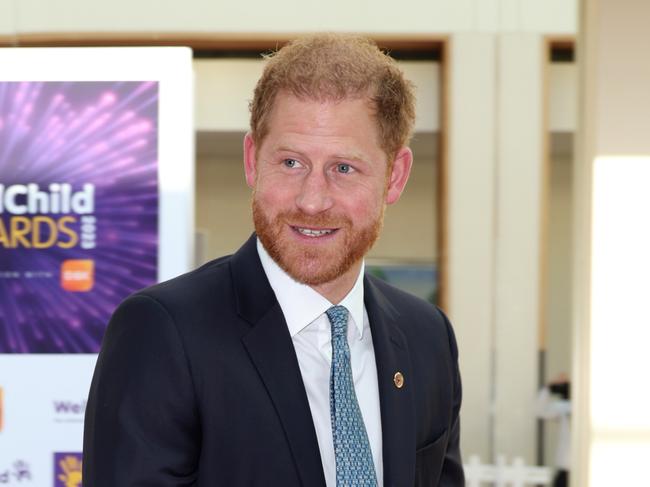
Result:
pixel 398 379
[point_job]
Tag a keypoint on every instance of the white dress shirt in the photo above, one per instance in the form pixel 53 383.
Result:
pixel 304 310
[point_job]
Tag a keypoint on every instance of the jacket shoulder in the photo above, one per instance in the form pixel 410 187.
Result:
pixel 210 279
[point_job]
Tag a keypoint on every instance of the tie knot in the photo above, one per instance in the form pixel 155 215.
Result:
pixel 338 316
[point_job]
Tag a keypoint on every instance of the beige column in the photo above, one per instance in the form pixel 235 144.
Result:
pixel 471 190
pixel 518 239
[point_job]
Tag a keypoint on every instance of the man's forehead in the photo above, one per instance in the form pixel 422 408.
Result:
pixel 292 119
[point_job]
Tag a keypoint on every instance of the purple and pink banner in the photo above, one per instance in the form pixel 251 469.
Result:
pixel 78 209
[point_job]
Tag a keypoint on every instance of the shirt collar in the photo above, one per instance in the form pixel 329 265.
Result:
pixel 302 305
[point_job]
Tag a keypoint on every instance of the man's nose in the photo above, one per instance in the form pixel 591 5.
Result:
pixel 315 194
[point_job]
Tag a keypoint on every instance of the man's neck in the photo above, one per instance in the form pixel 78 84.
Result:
pixel 334 291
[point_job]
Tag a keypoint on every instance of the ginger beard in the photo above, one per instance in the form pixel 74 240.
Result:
pixel 308 264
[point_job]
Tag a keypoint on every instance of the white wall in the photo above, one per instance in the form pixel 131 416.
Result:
pixel 7 18
pixel 379 16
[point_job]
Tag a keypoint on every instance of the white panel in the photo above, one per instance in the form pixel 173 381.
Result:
pixel 206 16
pixel 563 97
pixel 509 15
pixel 176 161
pixel 486 14
pixel 518 241
pixel 7 21
pixel 550 16
pixel 412 16
pixel 223 89
pixel 172 68
pixel 471 189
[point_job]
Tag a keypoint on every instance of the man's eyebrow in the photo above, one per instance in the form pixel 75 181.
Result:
pixel 352 156
pixel 286 148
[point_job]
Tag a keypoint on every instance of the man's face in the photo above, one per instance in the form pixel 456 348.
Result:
pixel 320 185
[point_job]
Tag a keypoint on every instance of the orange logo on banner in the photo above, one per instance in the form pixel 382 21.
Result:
pixel 78 275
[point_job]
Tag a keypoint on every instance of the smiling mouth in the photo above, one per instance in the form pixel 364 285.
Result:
pixel 310 232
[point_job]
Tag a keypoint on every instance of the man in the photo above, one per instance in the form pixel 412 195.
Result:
pixel 284 365
pixel 554 404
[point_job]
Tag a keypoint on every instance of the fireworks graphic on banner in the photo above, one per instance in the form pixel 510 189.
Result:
pixel 78 209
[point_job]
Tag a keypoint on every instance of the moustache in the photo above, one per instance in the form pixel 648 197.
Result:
pixel 323 220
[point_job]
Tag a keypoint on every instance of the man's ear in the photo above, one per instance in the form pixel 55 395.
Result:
pixel 250 161
pixel 399 174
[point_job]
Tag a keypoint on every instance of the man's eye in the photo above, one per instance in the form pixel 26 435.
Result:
pixel 291 163
pixel 343 168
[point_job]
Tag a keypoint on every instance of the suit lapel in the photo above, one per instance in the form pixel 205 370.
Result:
pixel 271 350
pixel 397 408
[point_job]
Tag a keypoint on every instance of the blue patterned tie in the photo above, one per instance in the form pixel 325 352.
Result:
pixel 354 465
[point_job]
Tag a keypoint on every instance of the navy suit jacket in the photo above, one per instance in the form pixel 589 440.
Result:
pixel 198 384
